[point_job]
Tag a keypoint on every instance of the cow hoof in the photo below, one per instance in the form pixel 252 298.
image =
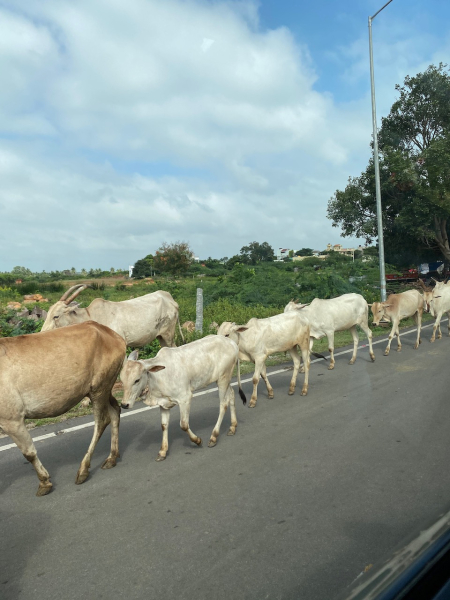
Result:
pixel 431 341
pixel 399 349
pixel 252 404
pixel 231 431
pixel 304 393
pixel 291 392
pixel 44 489
pixel 270 395
pixel 331 367
pixel 81 477
pixel 372 357
pixel 109 463
pixel 159 458
pixel 386 352
pixel 212 443
pixel 85 403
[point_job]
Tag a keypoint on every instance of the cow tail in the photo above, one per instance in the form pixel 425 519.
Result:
pixel 317 355
pixel 179 327
pixel 241 391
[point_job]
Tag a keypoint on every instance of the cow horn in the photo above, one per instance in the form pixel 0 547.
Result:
pixel 421 283
pixel 433 279
pixel 69 291
pixel 75 294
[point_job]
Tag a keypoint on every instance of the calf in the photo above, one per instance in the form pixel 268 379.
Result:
pixel 175 373
pixel 46 374
pixel 337 314
pixel 440 304
pixel 261 337
pixel 398 307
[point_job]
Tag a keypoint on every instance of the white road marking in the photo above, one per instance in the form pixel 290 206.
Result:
pixel 208 391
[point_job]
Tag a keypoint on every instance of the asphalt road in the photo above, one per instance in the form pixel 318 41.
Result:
pixel 309 491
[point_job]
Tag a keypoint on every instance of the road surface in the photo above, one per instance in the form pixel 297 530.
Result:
pixel 308 493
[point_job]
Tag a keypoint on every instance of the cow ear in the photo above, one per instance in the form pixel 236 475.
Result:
pixel 134 355
pixel 241 329
pixel 370 305
pixel 155 368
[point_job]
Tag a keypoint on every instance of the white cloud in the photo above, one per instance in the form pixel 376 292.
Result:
pixel 132 124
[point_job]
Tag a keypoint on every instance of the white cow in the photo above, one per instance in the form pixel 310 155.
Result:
pixel 440 304
pixel 139 320
pixel 261 337
pixel 175 373
pixel 337 314
pixel 398 307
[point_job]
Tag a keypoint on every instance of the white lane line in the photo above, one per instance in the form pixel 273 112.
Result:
pixel 208 391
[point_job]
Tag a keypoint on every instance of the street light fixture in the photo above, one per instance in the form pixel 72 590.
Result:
pixel 376 163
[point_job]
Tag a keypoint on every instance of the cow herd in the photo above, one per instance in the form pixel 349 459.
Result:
pixel 46 374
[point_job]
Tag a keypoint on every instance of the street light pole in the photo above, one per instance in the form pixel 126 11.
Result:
pixel 376 163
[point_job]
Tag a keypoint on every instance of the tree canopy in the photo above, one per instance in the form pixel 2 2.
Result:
pixel 414 143
pixel 173 258
pixel 256 252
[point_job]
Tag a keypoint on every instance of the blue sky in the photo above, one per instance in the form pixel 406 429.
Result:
pixel 213 122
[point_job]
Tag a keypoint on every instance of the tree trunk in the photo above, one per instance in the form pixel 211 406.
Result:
pixel 440 227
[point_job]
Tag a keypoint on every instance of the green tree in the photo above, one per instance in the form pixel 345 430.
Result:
pixel 304 252
pixel 256 252
pixel 414 173
pixel 173 258
pixel 144 267
pixel 21 272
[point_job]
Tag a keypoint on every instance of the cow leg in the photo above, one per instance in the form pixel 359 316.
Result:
pixel 114 416
pixel 223 386
pixel 364 324
pixel 234 423
pixel 102 419
pixel 391 335
pixel 437 323
pixel 266 381
pixel 448 324
pixel 22 438
pixel 165 418
pixel 296 360
pixel 256 375
pixel 330 337
pixel 185 409
pixel 354 333
pixel 304 346
pixel 311 344
pixel 419 327
pixel 397 333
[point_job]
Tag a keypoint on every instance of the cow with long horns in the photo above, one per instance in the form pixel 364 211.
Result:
pixel 139 320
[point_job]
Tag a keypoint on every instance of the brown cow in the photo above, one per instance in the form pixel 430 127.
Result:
pixel 47 374
pixel 397 307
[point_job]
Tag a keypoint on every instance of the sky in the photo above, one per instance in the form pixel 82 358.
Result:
pixel 124 125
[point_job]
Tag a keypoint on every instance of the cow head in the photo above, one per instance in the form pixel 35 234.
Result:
pixel 231 330
pixel 134 376
pixel 378 311
pixel 293 305
pixel 57 315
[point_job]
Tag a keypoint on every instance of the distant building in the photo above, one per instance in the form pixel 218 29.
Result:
pixel 346 251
